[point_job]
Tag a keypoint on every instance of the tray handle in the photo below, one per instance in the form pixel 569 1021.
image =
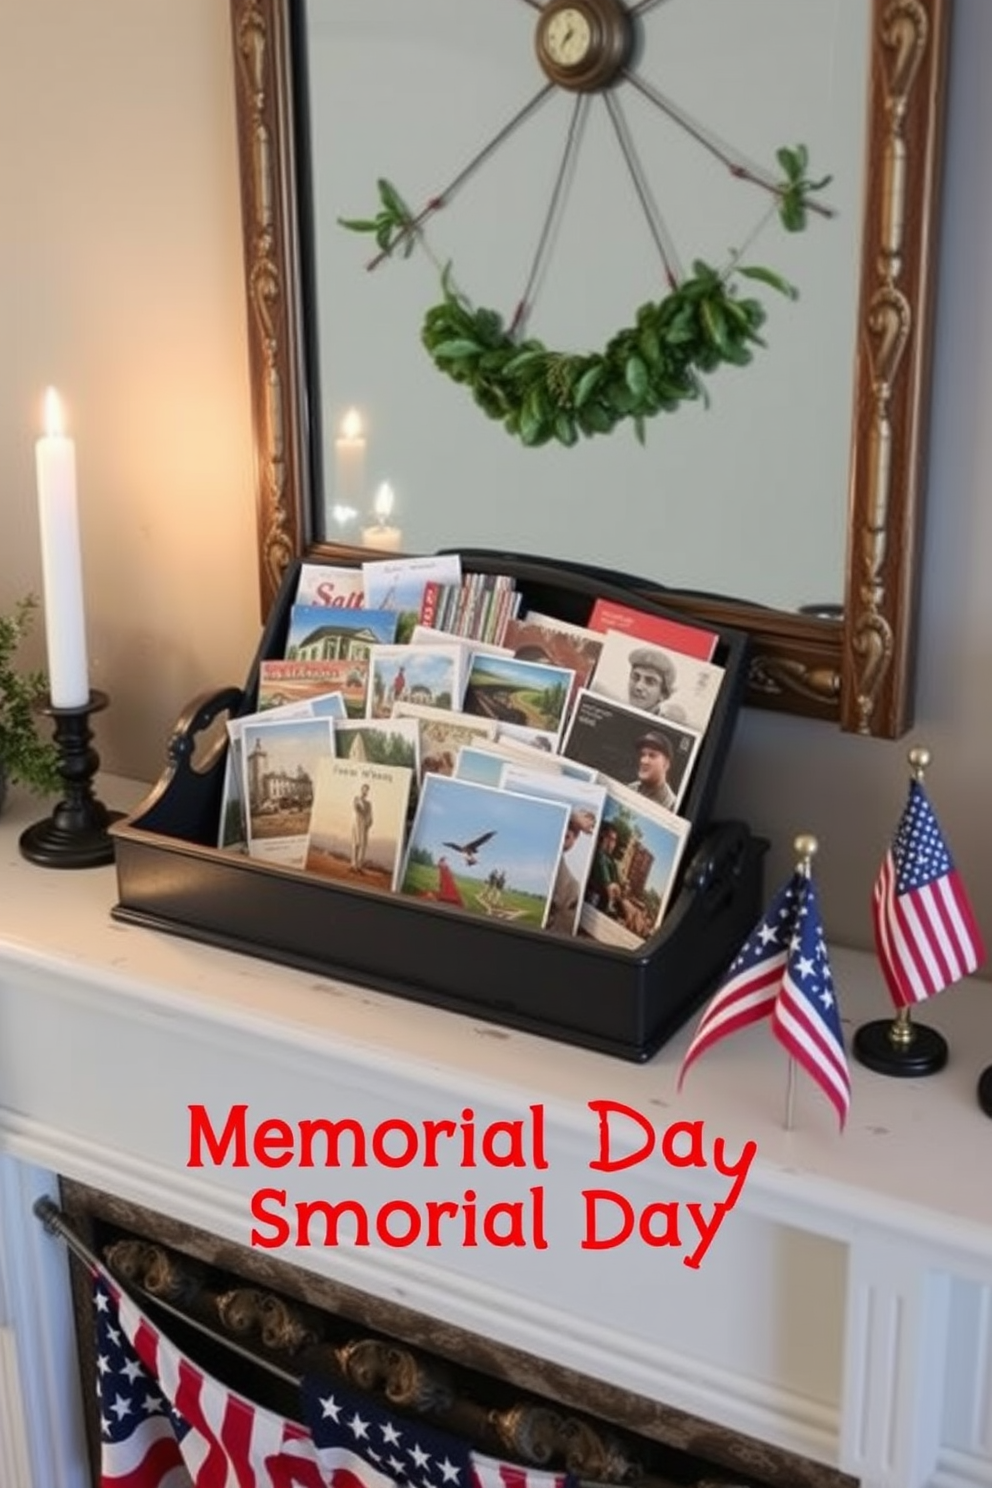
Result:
pixel 185 800
pixel 719 860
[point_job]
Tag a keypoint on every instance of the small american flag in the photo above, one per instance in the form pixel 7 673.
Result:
pixel 782 972
pixel 365 1444
pixel 925 931
pixel 166 1424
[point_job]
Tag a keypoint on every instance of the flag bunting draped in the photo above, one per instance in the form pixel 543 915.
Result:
pixel 782 972
pixel 165 1423
pixel 926 936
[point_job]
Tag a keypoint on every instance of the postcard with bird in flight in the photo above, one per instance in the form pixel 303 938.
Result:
pixel 358 822
pixel 489 852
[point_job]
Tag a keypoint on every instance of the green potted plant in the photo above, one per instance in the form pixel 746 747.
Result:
pixel 25 756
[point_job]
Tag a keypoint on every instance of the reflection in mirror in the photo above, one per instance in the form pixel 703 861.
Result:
pixel 798 485
pixel 745 496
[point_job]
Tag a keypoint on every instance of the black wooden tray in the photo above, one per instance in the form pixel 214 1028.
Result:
pixel 172 877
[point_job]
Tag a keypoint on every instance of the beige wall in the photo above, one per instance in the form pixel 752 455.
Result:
pixel 121 284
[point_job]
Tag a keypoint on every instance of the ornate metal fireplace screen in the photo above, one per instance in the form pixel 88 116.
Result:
pixel 259 1324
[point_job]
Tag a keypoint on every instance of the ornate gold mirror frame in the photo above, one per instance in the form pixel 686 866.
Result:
pixel 856 670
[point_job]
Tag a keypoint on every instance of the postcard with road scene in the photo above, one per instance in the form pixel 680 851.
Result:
pixel 233 831
pixel 429 675
pixel 538 637
pixel 633 748
pixel 529 695
pixel 281 682
pixel 398 584
pixel 384 741
pixel 317 633
pixel 442 734
pixel 336 588
pixel 358 822
pixel 486 851
pixel 658 681
pixel 280 759
pixel 691 640
pixel 635 864
pixel 585 804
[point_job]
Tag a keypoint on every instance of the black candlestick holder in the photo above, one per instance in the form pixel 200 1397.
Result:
pixel 75 835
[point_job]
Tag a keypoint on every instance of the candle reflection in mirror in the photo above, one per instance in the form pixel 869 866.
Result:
pixel 349 463
pixel 382 534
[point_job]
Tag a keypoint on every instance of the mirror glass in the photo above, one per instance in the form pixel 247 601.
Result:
pixel 746 497
pixel 788 507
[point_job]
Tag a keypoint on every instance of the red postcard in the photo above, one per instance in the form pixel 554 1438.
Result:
pixel 690 640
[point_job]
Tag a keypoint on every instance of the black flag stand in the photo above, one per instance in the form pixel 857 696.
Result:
pixel 899 1046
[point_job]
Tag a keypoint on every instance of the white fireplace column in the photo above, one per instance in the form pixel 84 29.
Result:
pixel 42 1437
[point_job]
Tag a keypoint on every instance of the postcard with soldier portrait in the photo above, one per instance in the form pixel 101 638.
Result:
pixel 658 680
pixel 650 755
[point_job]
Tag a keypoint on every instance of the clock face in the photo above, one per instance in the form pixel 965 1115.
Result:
pixel 568 36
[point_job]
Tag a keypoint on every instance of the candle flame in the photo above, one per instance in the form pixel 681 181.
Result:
pixel 53 413
pixel 351 424
pixel 383 503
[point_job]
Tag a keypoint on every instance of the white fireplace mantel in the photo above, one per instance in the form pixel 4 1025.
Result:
pixel 843 1310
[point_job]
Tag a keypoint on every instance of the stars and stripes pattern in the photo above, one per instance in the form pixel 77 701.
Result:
pixel 164 1423
pixel 363 1444
pixel 782 972
pixel 925 930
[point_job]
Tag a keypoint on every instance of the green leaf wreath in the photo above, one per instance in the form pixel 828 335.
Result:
pixel 653 366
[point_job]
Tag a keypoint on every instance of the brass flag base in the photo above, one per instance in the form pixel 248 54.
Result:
pixel 901 1048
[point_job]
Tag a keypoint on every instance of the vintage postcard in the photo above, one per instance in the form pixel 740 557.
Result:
pixel 429 675
pixel 650 755
pixel 358 822
pixel 481 766
pixel 233 830
pixel 336 588
pixel 691 640
pixel 398 584
pixel 279 766
pixel 585 806
pixel 538 637
pixel 319 633
pixel 329 705
pixel 638 850
pixel 530 757
pixel 281 682
pixel 664 683
pixel 486 851
pixel 442 734
pixel 386 741
pixel 524 694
